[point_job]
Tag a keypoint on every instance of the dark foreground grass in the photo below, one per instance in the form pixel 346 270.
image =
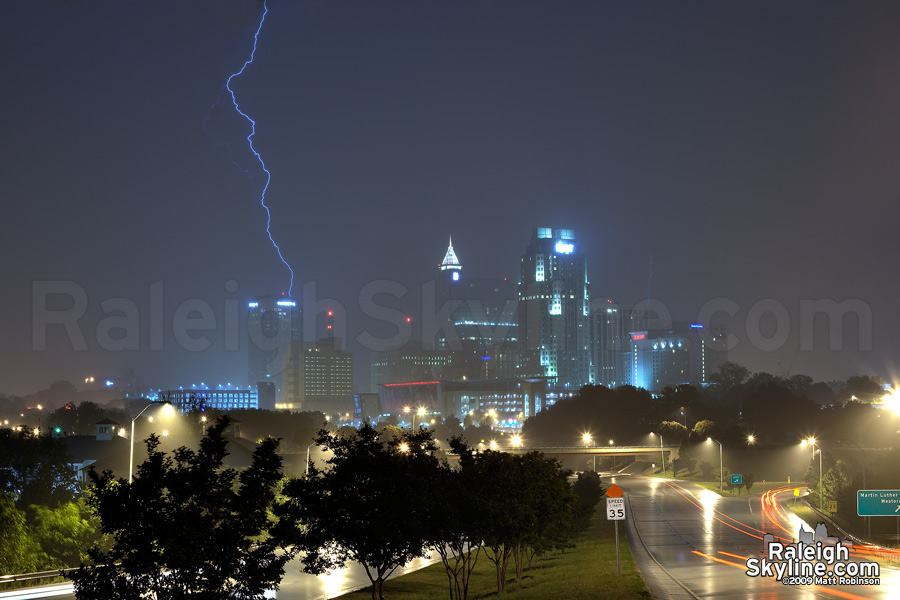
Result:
pixel 586 572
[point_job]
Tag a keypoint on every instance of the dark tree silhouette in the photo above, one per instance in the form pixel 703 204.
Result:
pixel 372 505
pixel 186 527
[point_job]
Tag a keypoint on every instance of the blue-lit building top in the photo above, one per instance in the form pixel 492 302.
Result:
pixel 554 310
pixel 273 323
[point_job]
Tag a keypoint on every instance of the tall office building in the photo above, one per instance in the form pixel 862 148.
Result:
pixel 554 309
pixel 409 363
pixel 611 328
pixel 685 354
pixel 272 325
pixel 319 377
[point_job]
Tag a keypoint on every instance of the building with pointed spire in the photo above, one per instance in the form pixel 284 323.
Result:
pixel 450 273
pixel 476 322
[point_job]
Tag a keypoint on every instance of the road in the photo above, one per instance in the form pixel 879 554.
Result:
pixel 296 585
pixel 692 543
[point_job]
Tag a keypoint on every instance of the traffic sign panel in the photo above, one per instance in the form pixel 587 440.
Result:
pixel 615 509
pixel 878 503
pixel 735 479
pixel 615 491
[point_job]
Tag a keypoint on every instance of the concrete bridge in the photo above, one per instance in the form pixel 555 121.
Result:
pixel 651 452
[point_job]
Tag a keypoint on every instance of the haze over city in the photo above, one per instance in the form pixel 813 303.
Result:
pixel 700 152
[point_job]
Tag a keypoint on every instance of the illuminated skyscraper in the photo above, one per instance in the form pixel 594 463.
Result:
pixel 318 376
pixel 687 353
pixel 554 309
pixel 272 324
pixel 612 325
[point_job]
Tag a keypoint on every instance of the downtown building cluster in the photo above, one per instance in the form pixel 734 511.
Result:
pixel 500 350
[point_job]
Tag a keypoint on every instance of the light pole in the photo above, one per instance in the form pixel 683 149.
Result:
pixel 721 468
pixel 865 487
pixel 662 455
pixel 131 451
pixel 816 448
pixel 307 457
pixel 611 442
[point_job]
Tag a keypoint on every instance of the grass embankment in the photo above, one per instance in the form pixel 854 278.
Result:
pixel 586 572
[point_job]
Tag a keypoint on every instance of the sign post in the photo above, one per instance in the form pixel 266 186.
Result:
pixel 615 511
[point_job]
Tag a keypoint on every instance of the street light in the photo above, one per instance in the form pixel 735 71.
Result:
pixel 586 438
pixel 166 410
pixel 662 455
pixel 865 468
pixel 611 442
pixel 721 469
pixel 307 457
pixel 812 442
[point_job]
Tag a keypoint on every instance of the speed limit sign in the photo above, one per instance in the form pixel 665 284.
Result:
pixel 615 509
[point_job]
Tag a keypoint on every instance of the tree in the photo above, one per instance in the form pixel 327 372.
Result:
pixel 458 535
pixel 36 469
pixel 589 491
pixel 19 552
pixel 371 505
pixel 185 527
pixel 836 481
pixel 723 475
pixel 527 503
pixel 65 533
pixel 749 480
pixel 588 488
pixel 730 375
pixel 705 429
pixel 673 430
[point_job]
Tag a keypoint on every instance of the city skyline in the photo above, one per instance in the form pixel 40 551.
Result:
pixel 701 152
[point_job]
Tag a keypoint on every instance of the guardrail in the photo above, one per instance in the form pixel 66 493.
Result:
pixel 38 575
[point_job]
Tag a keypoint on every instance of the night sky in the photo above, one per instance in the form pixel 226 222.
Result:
pixel 737 150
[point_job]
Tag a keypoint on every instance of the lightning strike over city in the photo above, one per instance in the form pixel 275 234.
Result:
pixel 605 291
pixel 262 164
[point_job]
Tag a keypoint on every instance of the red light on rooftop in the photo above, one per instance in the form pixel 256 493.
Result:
pixel 409 319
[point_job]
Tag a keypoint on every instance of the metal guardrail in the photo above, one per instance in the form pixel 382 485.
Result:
pixel 38 575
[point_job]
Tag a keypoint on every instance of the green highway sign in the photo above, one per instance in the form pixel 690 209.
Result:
pixel 735 479
pixel 878 503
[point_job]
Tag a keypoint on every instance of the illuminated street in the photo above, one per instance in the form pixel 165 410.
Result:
pixel 692 543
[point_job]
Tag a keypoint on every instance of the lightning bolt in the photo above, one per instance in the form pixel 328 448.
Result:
pixel 262 199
